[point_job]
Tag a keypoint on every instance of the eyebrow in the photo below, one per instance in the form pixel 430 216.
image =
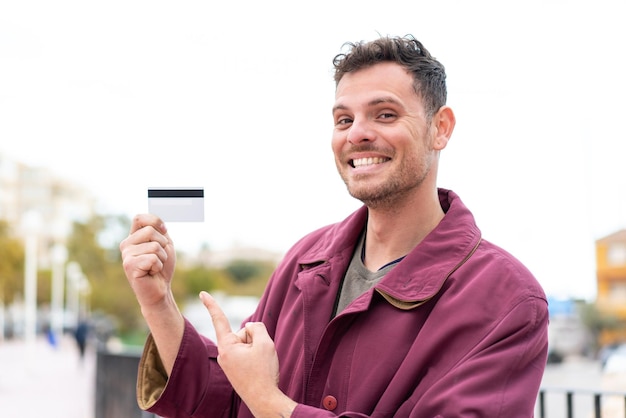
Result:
pixel 373 102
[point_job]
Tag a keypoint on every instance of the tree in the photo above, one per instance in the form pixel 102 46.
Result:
pixel 249 277
pixel 94 246
pixel 243 270
pixel 191 281
pixel 599 323
pixel 11 264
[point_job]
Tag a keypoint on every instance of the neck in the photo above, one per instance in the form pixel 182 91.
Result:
pixel 393 233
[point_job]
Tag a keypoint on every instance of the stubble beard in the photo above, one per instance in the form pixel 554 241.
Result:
pixel 388 194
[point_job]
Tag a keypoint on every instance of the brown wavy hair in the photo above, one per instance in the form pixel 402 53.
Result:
pixel 429 75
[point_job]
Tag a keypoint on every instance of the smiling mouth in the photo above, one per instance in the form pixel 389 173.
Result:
pixel 363 162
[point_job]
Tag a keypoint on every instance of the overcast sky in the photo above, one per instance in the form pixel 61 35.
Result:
pixel 236 97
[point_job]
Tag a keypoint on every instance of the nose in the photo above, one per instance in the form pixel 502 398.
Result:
pixel 360 131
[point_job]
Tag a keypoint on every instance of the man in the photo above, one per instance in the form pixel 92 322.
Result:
pixel 400 310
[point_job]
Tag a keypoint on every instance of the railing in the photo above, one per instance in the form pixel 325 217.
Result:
pixel 586 403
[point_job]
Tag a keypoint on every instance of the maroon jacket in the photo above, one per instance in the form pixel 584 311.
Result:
pixel 456 329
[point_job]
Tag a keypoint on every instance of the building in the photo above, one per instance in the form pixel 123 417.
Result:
pixel 40 208
pixel 611 282
pixel 36 193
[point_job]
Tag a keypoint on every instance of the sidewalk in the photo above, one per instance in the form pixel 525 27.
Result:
pixel 41 381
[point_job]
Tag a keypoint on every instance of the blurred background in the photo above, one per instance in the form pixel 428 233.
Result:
pixel 100 101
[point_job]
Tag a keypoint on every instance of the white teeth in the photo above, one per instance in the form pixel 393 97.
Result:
pixel 360 162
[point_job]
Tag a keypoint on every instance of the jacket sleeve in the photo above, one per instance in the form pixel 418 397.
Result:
pixel 500 376
pixel 197 386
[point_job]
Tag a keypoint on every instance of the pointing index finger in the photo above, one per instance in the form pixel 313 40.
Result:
pixel 220 322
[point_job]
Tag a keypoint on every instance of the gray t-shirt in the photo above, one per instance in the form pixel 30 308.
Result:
pixel 359 279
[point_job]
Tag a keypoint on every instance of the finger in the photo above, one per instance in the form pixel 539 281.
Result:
pixel 256 332
pixel 149 264
pixel 145 234
pixel 138 266
pixel 130 252
pixel 242 335
pixel 130 249
pixel 147 219
pixel 220 322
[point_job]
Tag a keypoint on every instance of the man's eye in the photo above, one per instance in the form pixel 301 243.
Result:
pixel 387 115
pixel 344 121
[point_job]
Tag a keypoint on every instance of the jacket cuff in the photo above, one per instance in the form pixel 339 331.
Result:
pixel 152 377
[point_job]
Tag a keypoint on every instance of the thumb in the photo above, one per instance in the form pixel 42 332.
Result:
pixel 257 334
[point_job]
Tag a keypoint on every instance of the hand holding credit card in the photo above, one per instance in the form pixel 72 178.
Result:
pixel 177 204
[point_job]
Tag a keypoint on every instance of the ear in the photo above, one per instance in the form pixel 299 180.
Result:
pixel 443 122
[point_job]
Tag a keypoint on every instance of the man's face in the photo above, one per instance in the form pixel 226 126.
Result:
pixel 382 139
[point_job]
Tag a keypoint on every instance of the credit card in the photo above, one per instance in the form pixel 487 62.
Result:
pixel 177 204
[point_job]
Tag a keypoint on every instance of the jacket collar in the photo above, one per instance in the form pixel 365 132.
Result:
pixel 425 269
pixel 420 275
